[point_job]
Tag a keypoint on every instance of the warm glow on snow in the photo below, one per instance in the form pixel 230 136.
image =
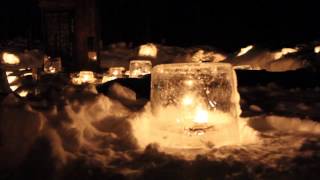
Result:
pixel 317 49
pixel 284 51
pixel 202 56
pixel 9 58
pixel 148 50
pixel 245 50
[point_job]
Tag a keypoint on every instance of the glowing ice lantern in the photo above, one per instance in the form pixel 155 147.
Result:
pixel 139 68
pixel 52 65
pixel 9 58
pixel 83 77
pixel 199 101
pixel 117 72
pixel 148 50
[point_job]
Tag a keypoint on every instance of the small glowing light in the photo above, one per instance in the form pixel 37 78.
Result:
pixel 23 93
pixel 13 88
pixel 92 55
pixel 317 49
pixel 116 71
pixel 187 101
pixel 9 58
pixel 27 74
pixel 87 76
pixel 189 83
pixel 52 65
pixel 148 50
pixel 11 79
pixel 139 68
pixel 245 50
pixel 283 52
pixel 201 116
pixel 8 73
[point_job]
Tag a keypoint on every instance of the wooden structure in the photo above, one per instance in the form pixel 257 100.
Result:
pixel 68 26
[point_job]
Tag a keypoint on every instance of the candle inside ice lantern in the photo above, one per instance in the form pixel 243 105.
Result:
pixel 9 58
pixel 86 76
pixel 197 100
pixel 116 72
pixel 148 50
pixel 139 68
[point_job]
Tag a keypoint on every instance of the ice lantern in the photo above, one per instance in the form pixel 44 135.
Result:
pixel 52 65
pixel 199 101
pixel 139 68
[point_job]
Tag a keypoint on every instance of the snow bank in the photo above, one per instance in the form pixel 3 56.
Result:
pixel 89 135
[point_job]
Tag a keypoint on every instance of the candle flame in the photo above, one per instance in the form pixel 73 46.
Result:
pixel 187 100
pixel 201 116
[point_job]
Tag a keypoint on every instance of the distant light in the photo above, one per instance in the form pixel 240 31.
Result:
pixel 11 79
pixel 148 50
pixel 23 93
pixel 284 51
pixel 317 49
pixel 13 88
pixel 9 58
pixel 92 55
pixel 245 50
pixel 8 73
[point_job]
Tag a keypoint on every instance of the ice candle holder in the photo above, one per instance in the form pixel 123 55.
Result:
pixel 198 100
pixel 139 68
pixel 52 65
pixel 117 72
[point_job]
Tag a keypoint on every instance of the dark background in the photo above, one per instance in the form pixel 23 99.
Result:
pixel 226 24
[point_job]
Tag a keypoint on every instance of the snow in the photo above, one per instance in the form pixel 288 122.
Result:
pixel 83 134
pixel 90 135
pixel 257 58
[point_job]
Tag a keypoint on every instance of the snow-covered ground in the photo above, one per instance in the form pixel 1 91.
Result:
pixel 74 132
pixel 91 136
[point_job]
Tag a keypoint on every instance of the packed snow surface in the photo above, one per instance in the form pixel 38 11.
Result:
pixel 90 135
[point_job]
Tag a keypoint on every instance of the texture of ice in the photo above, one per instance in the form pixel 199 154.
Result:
pixel 195 102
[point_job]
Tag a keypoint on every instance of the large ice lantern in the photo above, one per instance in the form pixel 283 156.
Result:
pixel 196 104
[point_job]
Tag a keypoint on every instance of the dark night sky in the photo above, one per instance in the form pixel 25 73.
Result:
pixel 225 24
